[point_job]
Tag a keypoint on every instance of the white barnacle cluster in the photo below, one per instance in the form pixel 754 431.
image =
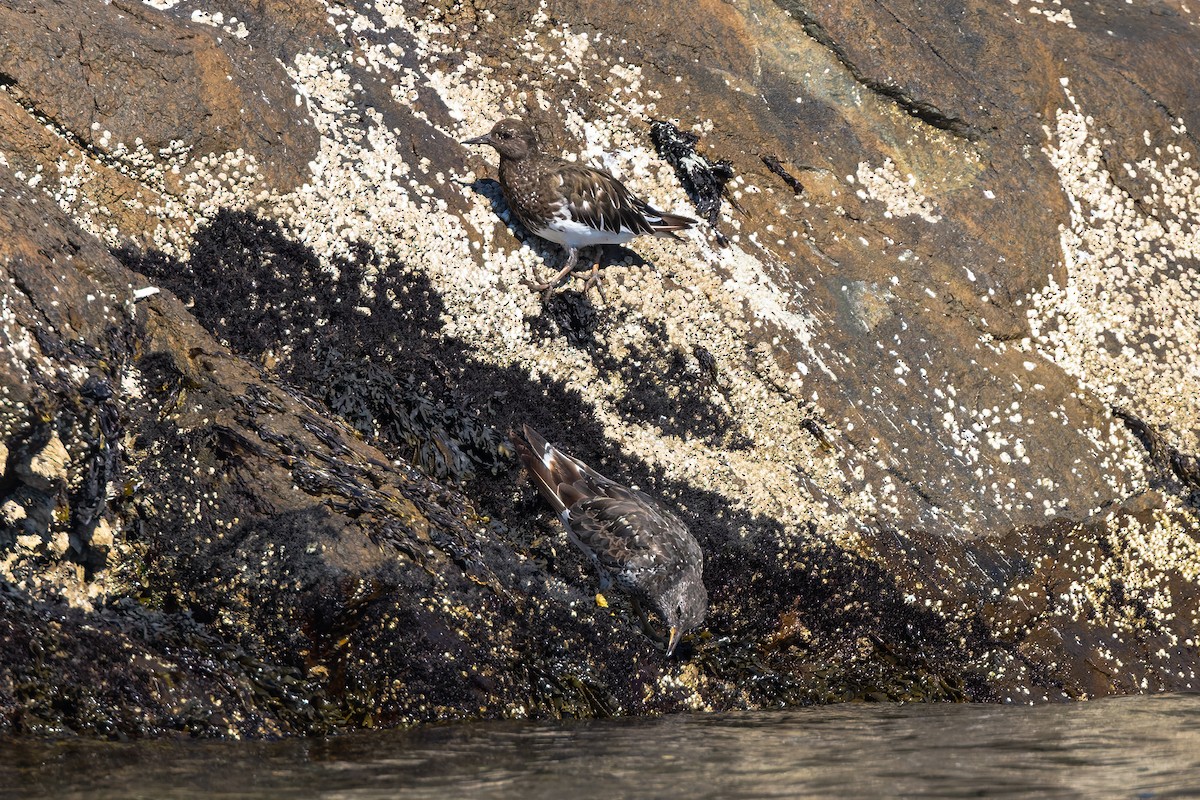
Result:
pixel 1049 10
pixel 686 686
pixel 72 194
pixel 216 181
pixel 16 343
pixel 123 192
pixel 365 188
pixel 898 193
pixel 1146 557
pixel 1126 322
pixel 232 26
pixel 368 186
pixel 118 192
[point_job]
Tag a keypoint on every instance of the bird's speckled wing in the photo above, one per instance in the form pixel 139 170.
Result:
pixel 624 529
pixel 627 532
pixel 597 199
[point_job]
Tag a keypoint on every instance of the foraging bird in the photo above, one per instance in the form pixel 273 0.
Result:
pixel 629 537
pixel 569 204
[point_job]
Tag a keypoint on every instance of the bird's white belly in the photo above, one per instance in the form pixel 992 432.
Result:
pixel 575 234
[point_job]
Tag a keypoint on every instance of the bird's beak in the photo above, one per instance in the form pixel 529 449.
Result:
pixel 676 635
pixel 485 139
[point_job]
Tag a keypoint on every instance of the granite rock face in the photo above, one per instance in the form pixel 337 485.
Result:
pixel 926 391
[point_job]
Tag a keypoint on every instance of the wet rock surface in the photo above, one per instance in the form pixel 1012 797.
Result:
pixel 932 418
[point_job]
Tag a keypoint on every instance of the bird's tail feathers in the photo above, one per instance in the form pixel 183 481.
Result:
pixel 554 472
pixel 661 223
pixel 664 224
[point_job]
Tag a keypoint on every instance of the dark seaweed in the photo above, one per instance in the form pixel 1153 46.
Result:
pixel 703 180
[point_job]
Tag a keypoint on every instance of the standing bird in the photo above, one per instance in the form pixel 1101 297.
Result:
pixel 569 204
pixel 630 538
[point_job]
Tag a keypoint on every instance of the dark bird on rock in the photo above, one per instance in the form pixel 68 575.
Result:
pixel 567 203
pixel 630 538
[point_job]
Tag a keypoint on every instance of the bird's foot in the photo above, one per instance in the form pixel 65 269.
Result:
pixel 547 289
pixel 593 279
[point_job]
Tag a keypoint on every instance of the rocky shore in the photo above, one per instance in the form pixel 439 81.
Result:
pixel 925 389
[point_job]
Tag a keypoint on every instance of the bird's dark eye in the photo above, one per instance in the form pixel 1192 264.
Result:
pixel 503 135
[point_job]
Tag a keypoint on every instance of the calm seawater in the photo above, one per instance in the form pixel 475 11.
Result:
pixel 1141 747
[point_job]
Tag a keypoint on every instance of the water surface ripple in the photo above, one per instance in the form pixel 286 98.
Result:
pixel 1138 747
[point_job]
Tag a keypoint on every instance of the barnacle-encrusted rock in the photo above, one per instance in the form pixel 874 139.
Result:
pixel 46 468
pixel 932 419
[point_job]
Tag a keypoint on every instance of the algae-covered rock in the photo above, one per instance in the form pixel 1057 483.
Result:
pixel 923 385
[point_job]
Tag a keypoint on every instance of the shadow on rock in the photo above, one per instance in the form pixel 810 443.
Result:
pixel 789 623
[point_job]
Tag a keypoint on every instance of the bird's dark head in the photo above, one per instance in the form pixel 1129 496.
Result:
pixel 684 607
pixel 513 139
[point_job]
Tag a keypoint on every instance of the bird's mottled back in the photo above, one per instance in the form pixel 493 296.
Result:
pixel 629 537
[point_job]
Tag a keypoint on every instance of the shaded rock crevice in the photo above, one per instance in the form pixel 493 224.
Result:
pixel 925 111
pixel 1169 460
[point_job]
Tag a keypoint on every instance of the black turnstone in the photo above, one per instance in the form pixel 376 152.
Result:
pixel 567 203
pixel 631 539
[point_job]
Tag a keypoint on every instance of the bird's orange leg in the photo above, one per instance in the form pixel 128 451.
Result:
pixel 593 278
pixel 568 268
